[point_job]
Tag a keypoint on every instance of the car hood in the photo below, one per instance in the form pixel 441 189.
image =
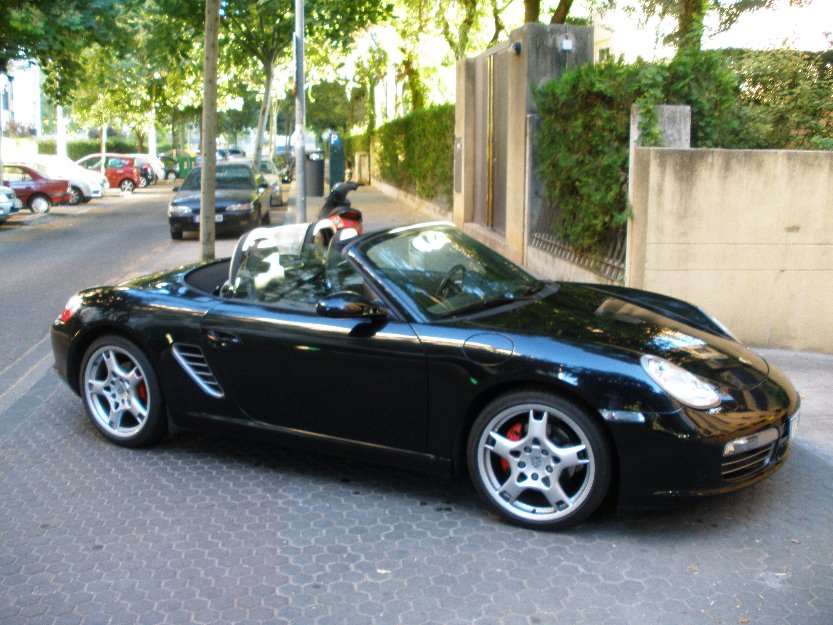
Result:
pixel 223 198
pixel 633 323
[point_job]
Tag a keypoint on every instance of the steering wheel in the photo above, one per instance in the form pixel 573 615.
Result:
pixel 448 285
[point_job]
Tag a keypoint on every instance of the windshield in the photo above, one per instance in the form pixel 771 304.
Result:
pixel 444 273
pixel 228 177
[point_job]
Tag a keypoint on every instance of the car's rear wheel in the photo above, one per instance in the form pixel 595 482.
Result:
pixel 171 175
pixel 75 196
pixel 539 460
pixel 121 393
pixel 127 185
pixel 39 204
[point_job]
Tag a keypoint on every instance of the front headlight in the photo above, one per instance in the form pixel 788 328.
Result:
pixel 683 386
pixel 175 210
pixel 245 207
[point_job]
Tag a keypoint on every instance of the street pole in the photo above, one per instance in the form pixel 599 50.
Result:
pixel 208 181
pixel 300 112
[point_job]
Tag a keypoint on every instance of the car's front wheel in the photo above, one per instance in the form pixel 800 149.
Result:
pixel 39 204
pixel 176 234
pixel 121 393
pixel 539 460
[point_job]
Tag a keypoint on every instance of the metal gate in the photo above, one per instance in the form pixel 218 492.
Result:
pixel 491 110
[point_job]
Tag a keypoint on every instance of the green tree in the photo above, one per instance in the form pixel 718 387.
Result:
pixel 327 107
pixel 52 32
pixel 262 30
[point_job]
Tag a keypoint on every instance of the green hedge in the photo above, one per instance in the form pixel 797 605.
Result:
pixel 80 148
pixel 415 153
pixel 738 99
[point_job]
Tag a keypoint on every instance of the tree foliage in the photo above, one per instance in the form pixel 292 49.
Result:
pixel 53 32
pixel 738 99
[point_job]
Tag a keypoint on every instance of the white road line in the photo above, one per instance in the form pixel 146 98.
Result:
pixel 24 354
pixel 25 382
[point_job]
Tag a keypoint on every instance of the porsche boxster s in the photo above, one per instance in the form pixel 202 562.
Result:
pixel 429 350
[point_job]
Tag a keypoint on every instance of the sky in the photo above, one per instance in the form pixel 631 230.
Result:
pixel 809 27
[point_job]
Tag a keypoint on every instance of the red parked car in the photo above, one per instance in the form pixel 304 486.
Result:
pixel 34 188
pixel 120 170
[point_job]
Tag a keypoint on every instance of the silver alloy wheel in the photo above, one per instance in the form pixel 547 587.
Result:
pixel 127 185
pixel 116 392
pixel 143 182
pixel 536 463
pixel 39 204
pixel 171 175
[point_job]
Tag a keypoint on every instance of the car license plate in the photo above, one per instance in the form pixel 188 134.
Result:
pixel 217 219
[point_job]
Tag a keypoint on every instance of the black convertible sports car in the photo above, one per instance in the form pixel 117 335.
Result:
pixel 438 354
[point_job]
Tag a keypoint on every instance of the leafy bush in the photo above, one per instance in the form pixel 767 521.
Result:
pixel 738 99
pixel 414 153
pixel 80 148
pixel 583 145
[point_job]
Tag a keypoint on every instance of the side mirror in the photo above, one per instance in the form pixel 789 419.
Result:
pixel 350 305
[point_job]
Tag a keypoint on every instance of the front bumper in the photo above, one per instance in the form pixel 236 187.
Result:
pixel 222 221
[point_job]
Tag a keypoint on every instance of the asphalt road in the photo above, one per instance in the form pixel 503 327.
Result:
pixel 205 529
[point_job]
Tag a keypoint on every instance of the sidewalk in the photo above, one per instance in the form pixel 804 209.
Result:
pixel 379 210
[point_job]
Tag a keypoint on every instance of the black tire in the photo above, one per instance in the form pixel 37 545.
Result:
pixel 170 175
pixel 121 393
pixel 538 460
pixel 176 234
pixel 75 196
pixel 39 204
pixel 127 185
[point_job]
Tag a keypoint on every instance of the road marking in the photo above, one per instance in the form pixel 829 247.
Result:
pixel 24 354
pixel 24 382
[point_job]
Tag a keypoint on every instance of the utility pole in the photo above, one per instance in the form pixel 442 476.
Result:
pixel 300 111
pixel 208 181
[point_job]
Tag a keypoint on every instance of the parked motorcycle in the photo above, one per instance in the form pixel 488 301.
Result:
pixel 337 207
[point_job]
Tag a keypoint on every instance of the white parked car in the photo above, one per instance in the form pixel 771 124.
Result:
pixel 9 204
pixel 85 184
pixel 155 163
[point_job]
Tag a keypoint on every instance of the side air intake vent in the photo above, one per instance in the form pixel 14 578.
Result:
pixel 196 366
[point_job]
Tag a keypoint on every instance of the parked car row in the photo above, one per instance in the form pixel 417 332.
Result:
pixel 41 181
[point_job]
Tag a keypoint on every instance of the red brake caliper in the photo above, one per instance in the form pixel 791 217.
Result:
pixel 514 434
pixel 143 392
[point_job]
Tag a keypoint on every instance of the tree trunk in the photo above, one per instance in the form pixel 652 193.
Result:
pixel 265 106
pixel 209 130
pixel 532 10
pixel 61 136
pixel 690 24
pixel 561 12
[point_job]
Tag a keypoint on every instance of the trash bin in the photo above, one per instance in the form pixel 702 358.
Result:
pixel 314 174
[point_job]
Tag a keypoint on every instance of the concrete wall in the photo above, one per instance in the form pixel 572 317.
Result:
pixel 747 235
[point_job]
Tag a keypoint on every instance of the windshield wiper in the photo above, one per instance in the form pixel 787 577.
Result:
pixel 482 305
pixel 502 300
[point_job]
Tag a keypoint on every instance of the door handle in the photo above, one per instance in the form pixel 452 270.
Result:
pixel 217 338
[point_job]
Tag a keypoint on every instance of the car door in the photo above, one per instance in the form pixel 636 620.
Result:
pixel 289 367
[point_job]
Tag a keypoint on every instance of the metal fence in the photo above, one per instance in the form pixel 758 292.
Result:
pixel 611 266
